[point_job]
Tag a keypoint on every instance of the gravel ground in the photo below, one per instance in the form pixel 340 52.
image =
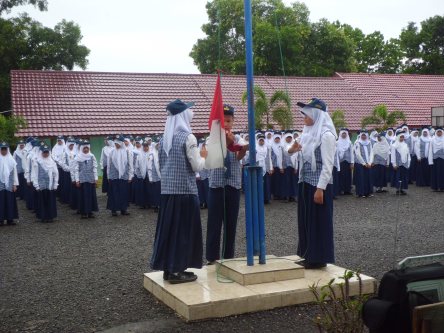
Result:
pixel 86 275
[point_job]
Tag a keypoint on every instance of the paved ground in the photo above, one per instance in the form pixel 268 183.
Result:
pixel 86 275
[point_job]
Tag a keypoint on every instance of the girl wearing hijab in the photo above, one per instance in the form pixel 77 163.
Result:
pixel 263 158
pixel 120 174
pixel 141 182
pixel 85 176
pixel 315 202
pixel 31 193
pixel 379 160
pixel 346 157
pixel 65 176
pixel 202 181
pixel 109 145
pixel 436 160
pixel 401 163
pixel 277 179
pixel 363 179
pixel 289 186
pixel 414 137
pixel 20 158
pixel 45 177
pixel 373 137
pixel 423 172
pixel 155 180
pixel 8 186
pixel 136 151
pixel 58 155
pixel 178 239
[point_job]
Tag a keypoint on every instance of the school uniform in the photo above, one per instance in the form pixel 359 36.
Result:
pixel 58 155
pixel 315 221
pixel 120 173
pixel 335 173
pixel 45 177
pixel 263 158
pixel 142 180
pixel 104 162
pixel 278 178
pixel 379 159
pixel 363 179
pixel 346 161
pixel 436 161
pixel 413 158
pixel 289 186
pixel 30 193
pixel 178 239
pixel 85 174
pixel 155 178
pixel 401 164
pixel 423 170
pixel 8 180
pixel 203 187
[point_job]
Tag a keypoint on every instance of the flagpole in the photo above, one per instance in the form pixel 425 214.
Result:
pixel 255 230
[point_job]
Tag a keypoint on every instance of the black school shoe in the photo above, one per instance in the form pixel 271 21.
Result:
pixel 311 265
pixel 113 213
pixel 10 222
pixel 181 277
pixel 84 216
pixel 124 213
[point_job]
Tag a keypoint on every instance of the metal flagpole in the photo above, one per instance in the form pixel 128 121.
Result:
pixel 255 230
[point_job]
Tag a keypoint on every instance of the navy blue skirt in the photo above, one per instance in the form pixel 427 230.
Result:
pixel 423 172
pixel 74 197
pixel 21 189
pixel 267 188
pixel 363 180
pixel 118 195
pixel 277 184
pixel 8 206
pixel 47 205
pixel 379 175
pixel 412 169
pixel 290 183
pixel 345 178
pixel 315 225
pixel 401 178
pixel 65 192
pixel 178 239
pixel 30 196
pixel 336 187
pixel 203 186
pixel 105 180
pixel 437 181
pixel 141 191
pixel 154 195
pixel 87 198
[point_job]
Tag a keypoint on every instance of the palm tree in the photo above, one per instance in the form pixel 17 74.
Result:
pixel 278 108
pixel 382 118
pixel 338 118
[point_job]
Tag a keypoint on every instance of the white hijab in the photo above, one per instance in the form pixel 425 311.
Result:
pixel 268 142
pixel 373 137
pixel 438 141
pixel 277 149
pixel 143 159
pixel 342 144
pixel 402 148
pixel 365 143
pixel 312 135
pixel 390 138
pixel 154 151
pixel 81 156
pixel 7 165
pixel 120 158
pixel 382 148
pixel 426 140
pixel 49 166
pixel 58 150
pixel 261 155
pixel 174 124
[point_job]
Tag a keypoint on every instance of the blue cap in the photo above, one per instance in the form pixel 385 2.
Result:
pixel 177 106
pixel 228 110
pixel 4 144
pixel 314 103
pixel 29 139
pixel 119 138
pixel 60 137
pixel 44 148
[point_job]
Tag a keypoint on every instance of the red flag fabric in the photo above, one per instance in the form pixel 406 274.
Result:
pixel 217 109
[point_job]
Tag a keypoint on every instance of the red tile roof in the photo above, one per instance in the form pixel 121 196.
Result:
pixel 98 103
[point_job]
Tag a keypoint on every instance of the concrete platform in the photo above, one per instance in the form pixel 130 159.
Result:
pixel 213 296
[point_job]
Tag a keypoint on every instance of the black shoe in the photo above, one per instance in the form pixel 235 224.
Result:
pixel 10 222
pixel 113 213
pixel 308 265
pixel 84 216
pixel 124 213
pixel 176 278
pixel 348 193
pixel 91 216
pixel 210 263
pixel 398 192
pixel 403 192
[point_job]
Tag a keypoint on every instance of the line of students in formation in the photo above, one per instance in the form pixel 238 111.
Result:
pixel 131 171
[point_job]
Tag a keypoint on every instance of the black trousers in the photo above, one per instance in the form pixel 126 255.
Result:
pixel 218 217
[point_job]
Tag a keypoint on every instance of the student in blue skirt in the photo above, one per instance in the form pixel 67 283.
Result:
pixel 263 158
pixel 401 163
pixel 346 157
pixel 45 178
pixel 436 160
pixel 277 178
pixel 379 160
pixel 120 174
pixel 315 201
pixel 20 158
pixel 423 172
pixel 31 193
pixel 8 186
pixel 141 181
pixel 414 137
pixel 363 179
pixel 290 178
pixel 109 145
pixel 178 239
pixel 85 176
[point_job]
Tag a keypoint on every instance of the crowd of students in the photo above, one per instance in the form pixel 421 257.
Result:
pixel 131 171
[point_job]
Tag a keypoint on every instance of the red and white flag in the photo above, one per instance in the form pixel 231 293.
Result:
pixel 216 144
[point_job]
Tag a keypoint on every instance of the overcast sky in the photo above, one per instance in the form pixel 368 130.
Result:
pixel 157 35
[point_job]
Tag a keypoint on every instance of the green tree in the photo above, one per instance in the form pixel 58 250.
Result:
pixel 27 44
pixel 6 5
pixel 338 118
pixel 9 126
pixel 382 119
pixel 424 49
pixel 278 109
